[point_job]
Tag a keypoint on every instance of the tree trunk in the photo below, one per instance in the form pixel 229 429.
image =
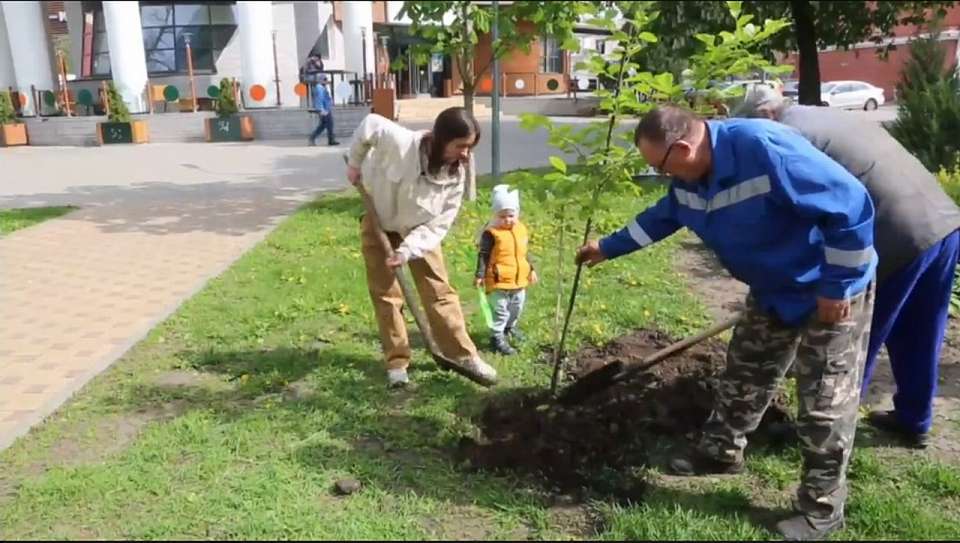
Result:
pixel 470 191
pixel 469 79
pixel 809 58
pixel 468 99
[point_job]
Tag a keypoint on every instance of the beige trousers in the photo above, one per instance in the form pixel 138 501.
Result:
pixel 440 301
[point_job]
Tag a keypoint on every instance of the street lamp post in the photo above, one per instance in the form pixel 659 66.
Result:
pixel 495 97
pixel 276 69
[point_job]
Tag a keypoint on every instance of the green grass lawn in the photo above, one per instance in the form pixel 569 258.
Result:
pixel 234 418
pixel 15 219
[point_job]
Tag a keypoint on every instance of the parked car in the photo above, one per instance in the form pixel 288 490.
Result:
pixel 791 88
pixel 851 95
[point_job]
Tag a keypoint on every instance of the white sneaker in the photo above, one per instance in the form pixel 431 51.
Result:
pixel 397 378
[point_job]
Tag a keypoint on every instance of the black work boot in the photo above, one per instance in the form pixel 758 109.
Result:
pixel 888 422
pixel 515 335
pixel 697 463
pixel 803 528
pixel 499 344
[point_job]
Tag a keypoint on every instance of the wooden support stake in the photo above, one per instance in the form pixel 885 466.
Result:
pixel 106 98
pixel 193 85
pixel 64 93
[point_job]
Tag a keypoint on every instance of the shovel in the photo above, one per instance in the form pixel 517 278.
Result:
pixel 412 301
pixel 618 371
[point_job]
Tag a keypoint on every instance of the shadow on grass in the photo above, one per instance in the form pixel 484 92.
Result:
pixel 399 442
pixel 344 203
pixel 330 405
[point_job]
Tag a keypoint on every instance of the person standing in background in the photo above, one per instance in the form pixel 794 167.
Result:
pixel 323 105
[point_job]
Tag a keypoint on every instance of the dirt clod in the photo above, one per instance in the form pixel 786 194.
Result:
pixel 346 487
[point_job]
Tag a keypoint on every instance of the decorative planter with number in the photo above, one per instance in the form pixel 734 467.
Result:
pixel 132 132
pixel 231 128
pixel 13 134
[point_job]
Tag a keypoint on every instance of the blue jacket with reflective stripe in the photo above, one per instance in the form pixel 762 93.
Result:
pixel 781 216
pixel 322 101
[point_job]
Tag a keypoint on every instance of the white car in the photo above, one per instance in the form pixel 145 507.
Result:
pixel 851 95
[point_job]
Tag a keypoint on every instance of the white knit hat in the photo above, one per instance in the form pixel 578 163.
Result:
pixel 504 198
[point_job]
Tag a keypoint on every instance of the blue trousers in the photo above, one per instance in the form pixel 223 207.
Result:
pixel 326 122
pixel 910 317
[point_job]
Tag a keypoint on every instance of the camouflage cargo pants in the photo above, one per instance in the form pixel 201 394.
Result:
pixel 830 360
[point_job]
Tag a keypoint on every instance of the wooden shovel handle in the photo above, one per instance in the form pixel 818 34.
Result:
pixel 685 344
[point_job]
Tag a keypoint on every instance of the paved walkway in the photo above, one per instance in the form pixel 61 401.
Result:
pixel 156 223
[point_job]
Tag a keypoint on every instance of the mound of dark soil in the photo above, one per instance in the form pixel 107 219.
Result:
pixel 614 431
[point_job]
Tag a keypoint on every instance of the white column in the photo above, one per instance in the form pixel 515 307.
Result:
pixel 29 49
pixel 255 25
pixel 128 64
pixel 357 29
pixel 8 77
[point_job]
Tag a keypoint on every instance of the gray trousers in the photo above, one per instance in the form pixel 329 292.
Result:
pixel 506 306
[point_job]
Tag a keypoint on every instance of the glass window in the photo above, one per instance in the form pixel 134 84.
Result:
pixel 99 25
pixel 156 15
pixel 192 14
pixel 202 59
pixel 220 36
pixel 100 43
pixel 166 27
pixel 161 60
pixel 199 36
pixel 158 38
pixel 101 64
pixel 222 14
pixel 552 62
pixel 322 47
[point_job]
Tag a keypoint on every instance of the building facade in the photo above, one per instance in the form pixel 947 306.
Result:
pixel 862 63
pixel 142 47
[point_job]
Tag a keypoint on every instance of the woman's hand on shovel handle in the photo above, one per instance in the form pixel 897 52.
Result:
pixel 354 175
pixel 590 254
pixel 396 260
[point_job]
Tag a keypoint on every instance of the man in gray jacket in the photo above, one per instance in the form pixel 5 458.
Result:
pixel 915 237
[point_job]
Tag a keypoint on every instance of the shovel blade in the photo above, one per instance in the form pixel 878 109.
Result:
pixel 597 380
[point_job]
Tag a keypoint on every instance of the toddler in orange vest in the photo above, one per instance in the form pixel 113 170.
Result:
pixel 503 268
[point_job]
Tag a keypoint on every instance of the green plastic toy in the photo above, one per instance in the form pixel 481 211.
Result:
pixel 485 307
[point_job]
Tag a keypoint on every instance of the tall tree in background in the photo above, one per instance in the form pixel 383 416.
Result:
pixel 816 24
pixel 454 29
pixel 928 105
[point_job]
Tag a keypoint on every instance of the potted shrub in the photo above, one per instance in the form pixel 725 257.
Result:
pixel 228 125
pixel 11 131
pixel 120 127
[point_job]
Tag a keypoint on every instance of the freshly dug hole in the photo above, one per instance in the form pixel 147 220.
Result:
pixel 580 446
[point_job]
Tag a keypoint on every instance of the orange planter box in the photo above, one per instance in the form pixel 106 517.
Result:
pixel 13 134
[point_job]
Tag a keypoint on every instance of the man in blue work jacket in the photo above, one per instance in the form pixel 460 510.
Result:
pixel 323 104
pixel 798 229
pixel 917 241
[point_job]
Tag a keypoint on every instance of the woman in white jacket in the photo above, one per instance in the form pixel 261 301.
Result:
pixel 416 181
